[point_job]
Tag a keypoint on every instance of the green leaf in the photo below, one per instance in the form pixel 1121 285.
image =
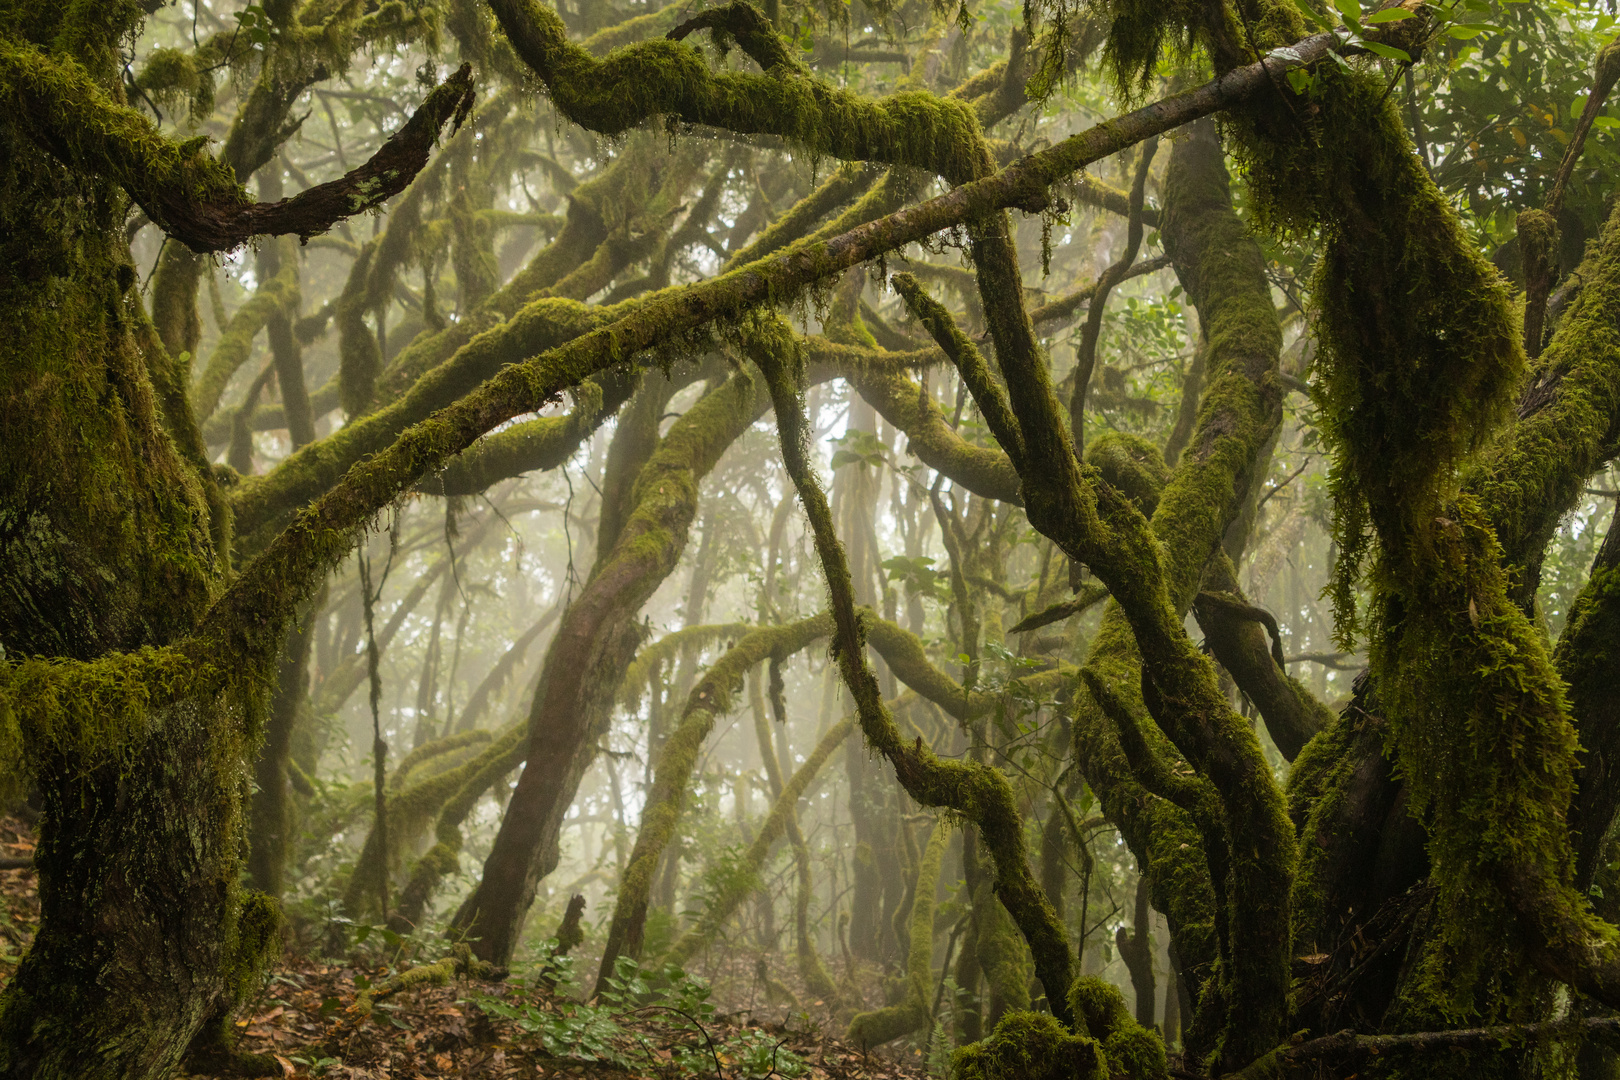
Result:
pixel 846 457
pixel 1388 15
pixel 1388 52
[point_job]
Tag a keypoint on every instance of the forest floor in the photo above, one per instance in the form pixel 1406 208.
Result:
pixel 495 1030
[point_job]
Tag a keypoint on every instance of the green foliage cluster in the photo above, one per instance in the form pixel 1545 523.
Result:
pixel 596 1031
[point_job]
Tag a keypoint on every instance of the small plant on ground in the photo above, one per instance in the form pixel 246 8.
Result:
pixel 660 1017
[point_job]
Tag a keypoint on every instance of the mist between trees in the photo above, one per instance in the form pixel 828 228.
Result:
pixel 1056 539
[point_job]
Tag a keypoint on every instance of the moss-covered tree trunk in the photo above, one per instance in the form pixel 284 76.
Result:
pixel 105 547
pixel 271 809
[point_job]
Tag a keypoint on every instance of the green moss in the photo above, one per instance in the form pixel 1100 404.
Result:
pixel 1133 465
pixel 1470 660
pixel 1317 787
pixel 171 77
pixel 256 944
pixel 77 119
pixel 1003 955
pixel 709 699
pixel 278 295
pixel 652 78
pixel 1534 473
pixel 721 908
pixel 653 657
pixel 1403 409
pixel 1130 1049
pixel 443 858
pixel 977 792
pixel 1031 1046
pixel 1221 874
pixel 869 1029
pixel 430 755
pixel 1586 657
pixel 411 806
pixel 460 963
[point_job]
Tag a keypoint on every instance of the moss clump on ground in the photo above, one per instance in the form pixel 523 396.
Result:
pixel 1031 1046
pixel 1105 1042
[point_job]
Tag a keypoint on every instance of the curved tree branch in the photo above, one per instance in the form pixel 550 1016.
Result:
pixel 191 196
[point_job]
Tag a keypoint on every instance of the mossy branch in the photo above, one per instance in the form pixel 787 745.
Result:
pixel 1233 631
pixel 459 964
pixel 411 806
pixel 429 750
pixel 710 698
pixel 279 294
pixel 1568 422
pixel 771 830
pixel 192 197
pixel 972 789
pixel 534 445
pixel 903 652
pixel 1348 1047
pixel 1588 658
pixel 652 78
pixel 678 310
pixel 1152 570
pixel 1114 274
pixel 869 1029
pixel 970 363
pixel 443 858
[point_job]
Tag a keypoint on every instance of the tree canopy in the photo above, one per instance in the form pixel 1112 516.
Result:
pixel 1104 511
